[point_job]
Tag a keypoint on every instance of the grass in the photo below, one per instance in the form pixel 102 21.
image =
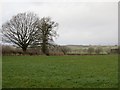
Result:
pixel 60 71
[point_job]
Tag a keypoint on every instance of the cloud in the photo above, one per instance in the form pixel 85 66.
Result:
pixel 79 22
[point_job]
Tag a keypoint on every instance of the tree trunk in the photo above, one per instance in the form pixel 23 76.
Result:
pixel 45 48
pixel 24 50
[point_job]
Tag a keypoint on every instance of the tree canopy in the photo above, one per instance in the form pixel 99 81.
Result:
pixel 47 27
pixel 27 29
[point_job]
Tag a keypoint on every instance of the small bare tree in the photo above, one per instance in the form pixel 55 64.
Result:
pixel 90 50
pixel 98 50
pixel 65 49
pixel 21 30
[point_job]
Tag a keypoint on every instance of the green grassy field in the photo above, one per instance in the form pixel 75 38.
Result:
pixel 60 71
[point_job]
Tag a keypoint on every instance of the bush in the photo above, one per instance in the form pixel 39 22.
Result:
pixel 7 50
pixel 10 50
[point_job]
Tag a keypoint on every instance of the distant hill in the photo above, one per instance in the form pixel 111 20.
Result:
pixel 77 47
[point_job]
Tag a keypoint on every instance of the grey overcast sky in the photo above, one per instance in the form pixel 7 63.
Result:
pixel 80 23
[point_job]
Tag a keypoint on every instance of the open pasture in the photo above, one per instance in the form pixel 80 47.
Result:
pixel 99 71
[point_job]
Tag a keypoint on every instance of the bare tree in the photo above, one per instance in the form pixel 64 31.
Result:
pixel 90 50
pixel 21 30
pixel 98 50
pixel 48 32
pixel 65 49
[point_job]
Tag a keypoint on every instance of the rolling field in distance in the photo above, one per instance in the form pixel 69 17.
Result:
pixel 99 71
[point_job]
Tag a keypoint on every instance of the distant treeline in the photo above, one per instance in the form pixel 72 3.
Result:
pixel 94 50
pixel 61 50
